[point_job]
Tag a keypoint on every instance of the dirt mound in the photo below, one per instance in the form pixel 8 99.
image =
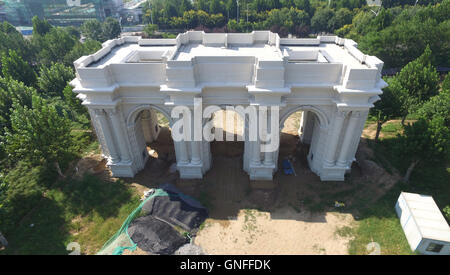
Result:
pixel 92 164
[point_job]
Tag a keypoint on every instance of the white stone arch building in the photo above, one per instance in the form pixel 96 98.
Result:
pixel 327 77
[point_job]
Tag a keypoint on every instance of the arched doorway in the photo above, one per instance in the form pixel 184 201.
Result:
pixel 229 134
pixel 302 132
pixel 149 130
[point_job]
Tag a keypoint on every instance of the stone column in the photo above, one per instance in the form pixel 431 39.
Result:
pixel 256 149
pixel 256 153
pixel 348 138
pixel 114 115
pixel 268 156
pixel 182 155
pixel 195 150
pixel 334 138
pixel 100 115
pixel 146 124
pixel 196 157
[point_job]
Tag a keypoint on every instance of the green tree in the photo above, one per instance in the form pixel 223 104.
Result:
pixel 71 100
pixel 111 28
pixel 388 107
pixel 185 6
pixel 303 5
pixel 424 140
pixel 215 7
pixel 52 80
pixel 416 83
pixel 150 29
pixel 319 22
pixel 93 29
pixel 40 27
pixel 342 17
pixel 38 134
pixel 15 67
pixel 12 91
pixel 437 106
pixel 73 31
pixel 81 49
pixel 231 6
pixel 11 39
pixel 54 46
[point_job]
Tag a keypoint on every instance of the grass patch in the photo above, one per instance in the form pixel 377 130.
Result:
pixel 378 222
pixel 88 211
pixel 345 231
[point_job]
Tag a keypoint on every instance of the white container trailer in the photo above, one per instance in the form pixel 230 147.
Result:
pixel 425 227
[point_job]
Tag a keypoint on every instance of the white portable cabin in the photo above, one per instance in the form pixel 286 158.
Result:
pixel 425 227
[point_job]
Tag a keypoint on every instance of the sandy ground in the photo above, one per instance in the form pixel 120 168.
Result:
pixel 256 232
pixel 245 220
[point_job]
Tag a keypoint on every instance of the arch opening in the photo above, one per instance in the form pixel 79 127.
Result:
pixel 300 132
pixel 228 128
pixel 153 145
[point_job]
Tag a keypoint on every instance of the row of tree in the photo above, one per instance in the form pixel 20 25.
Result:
pixel 397 33
pixel 416 91
pixel 42 124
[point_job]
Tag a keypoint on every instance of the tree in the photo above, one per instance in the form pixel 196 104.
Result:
pixel 73 31
pixel 54 46
pixel 111 28
pixel 424 140
pixel 40 27
pixel 319 22
pixel 11 39
pixel 71 100
pixel 202 5
pixel 80 49
pixel 52 80
pixel 93 29
pixel 231 6
pixel 342 17
pixel 185 6
pixel 437 106
pixel 388 107
pixel 215 7
pixel 303 5
pixel 12 91
pixel 416 83
pixel 150 29
pixel 15 67
pixel 38 134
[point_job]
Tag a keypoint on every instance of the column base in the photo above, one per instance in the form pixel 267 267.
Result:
pixel 261 172
pixel 122 169
pixel 334 173
pixel 190 171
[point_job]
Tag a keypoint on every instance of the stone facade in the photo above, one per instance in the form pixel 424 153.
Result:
pixel 327 78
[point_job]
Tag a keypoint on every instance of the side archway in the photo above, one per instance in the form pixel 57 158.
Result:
pixel 312 137
pixel 135 135
pixel 323 119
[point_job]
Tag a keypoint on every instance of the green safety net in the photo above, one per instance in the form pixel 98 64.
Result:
pixel 121 240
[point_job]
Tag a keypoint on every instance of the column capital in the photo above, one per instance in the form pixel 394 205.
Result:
pixel 99 112
pixel 356 114
pixel 342 113
pixel 112 111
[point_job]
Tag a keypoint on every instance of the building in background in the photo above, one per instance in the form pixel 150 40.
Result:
pixel 59 12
